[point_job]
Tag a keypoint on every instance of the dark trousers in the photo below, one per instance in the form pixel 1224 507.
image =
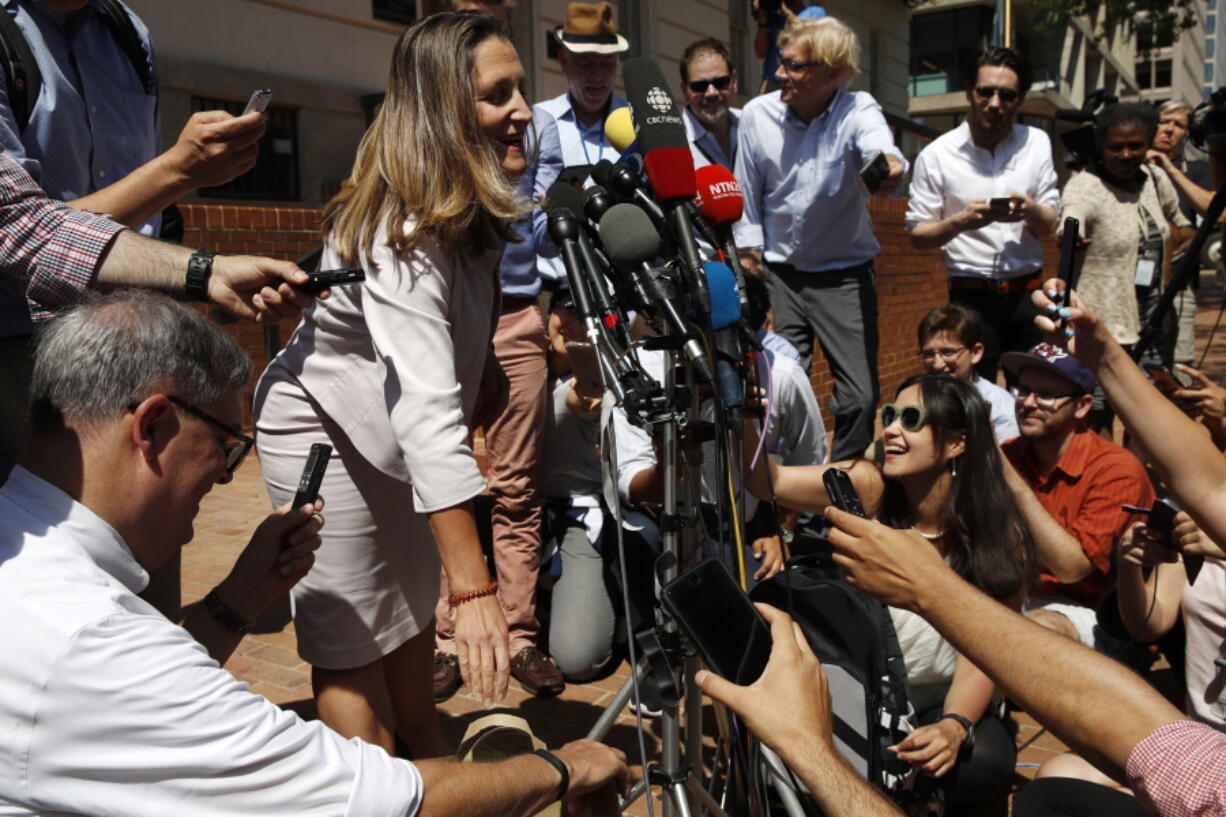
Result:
pixel 1008 324
pixel 839 309
pixel 1068 797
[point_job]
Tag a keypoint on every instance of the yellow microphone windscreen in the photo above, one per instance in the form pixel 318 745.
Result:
pixel 619 129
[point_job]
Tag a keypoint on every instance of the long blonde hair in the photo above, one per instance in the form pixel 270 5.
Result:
pixel 425 159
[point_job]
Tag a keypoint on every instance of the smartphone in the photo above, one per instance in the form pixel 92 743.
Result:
pixel 1002 206
pixel 1161 520
pixel 1069 238
pixel 576 175
pixel 1167 380
pixel 874 171
pixel 259 101
pixel 312 474
pixel 720 620
pixel 329 278
pixel 842 491
pixel 586 368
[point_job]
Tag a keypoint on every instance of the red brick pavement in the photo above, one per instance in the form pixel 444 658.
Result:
pixel 269 661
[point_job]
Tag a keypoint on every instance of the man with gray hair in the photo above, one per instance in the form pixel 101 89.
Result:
pixel 1194 184
pixel 111 708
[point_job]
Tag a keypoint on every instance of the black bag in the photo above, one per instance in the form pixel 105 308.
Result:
pixel 853 636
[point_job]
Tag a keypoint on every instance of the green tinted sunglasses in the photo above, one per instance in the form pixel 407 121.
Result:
pixel 911 417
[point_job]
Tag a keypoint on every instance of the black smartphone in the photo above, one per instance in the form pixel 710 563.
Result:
pixel 312 474
pixel 329 278
pixel 1001 206
pixel 874 171
pixel 1161 520
pixel 842 491
pixel 1069 237
pixel 259 101
pixel 575 174
pixel 720 620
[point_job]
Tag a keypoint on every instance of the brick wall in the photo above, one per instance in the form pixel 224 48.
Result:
pixel 909 281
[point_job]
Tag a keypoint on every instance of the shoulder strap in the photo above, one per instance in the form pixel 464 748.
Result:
pixel 124 32
pixel 21 74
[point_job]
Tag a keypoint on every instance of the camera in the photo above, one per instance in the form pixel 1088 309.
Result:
pixel 1209 120
pixel 1079 143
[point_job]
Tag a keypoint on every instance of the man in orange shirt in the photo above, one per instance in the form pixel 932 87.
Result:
pixel 1079 478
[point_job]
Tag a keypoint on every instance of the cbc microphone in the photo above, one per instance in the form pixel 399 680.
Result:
pixel 667 160
pixel 633 243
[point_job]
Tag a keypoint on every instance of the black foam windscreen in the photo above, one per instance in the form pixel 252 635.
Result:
pixel 628 235
pixel 564 195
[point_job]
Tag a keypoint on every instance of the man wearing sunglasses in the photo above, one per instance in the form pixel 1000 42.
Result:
pixel 112 708
pixel 1080 481
pixel 709 83
pixel 985 194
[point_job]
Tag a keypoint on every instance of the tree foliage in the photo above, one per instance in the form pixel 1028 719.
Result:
pixel 1153 23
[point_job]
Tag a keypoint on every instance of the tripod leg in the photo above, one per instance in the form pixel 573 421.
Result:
pixel 693 715
pixel 680 804
pixel 708 803
pixel 607 718
pixel 774 768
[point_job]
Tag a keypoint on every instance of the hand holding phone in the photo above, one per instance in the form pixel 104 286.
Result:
pixel 1165 379
pixel 1161 523
pixel 1001 206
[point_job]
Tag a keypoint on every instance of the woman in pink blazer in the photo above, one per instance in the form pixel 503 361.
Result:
pixel 388 373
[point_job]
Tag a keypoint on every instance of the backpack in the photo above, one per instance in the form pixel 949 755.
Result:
pixel 23 79
pixel 853 637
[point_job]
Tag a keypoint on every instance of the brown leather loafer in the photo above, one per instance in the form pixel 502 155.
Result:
pixel 446 676
pixel 536 672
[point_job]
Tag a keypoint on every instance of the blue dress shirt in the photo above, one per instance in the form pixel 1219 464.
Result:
pixel 520 276
pixel 703 144
pixel 92 123
pixel 576 144
pixel 804 202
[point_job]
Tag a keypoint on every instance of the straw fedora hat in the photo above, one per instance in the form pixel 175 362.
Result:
pixel 589 29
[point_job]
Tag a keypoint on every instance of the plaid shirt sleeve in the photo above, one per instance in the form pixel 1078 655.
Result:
pixel 1180 769
pixel 53 247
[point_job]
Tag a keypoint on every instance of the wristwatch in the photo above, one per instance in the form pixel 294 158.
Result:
pixel 199 268
pixel 969 742
pixel 786 535
pixel 220 612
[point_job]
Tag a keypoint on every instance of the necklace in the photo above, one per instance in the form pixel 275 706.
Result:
pixel 928 536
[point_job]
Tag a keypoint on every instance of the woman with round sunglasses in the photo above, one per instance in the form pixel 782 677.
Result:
pixel 391 373
pixel 939 476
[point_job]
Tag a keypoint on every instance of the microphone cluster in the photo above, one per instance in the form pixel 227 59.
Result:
pixel 631 243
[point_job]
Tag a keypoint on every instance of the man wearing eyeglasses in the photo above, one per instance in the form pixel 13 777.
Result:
pixel 1080 481
pixel 799 150
pixel 985 194
pixel 708 82
pixel 109 707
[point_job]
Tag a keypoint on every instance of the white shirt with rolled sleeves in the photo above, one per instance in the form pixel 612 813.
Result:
pixel 108 708
pixel 804 201
pixel 953 171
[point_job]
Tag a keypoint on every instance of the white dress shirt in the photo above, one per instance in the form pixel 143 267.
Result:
pixel 108 708
pixel 804 201
pixel 1003 408
pixel 703 143
pixel 953 171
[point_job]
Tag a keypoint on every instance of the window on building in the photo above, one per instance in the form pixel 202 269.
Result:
pixel 1162 74
pixel 942 45
pixel 275 175
pixel 1210 22
pixel 394 11
pixel 630 26
pixel 1144 73
pixel 1209 47
pixel 1208 72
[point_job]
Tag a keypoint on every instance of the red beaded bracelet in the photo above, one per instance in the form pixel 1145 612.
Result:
pixel 456 599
